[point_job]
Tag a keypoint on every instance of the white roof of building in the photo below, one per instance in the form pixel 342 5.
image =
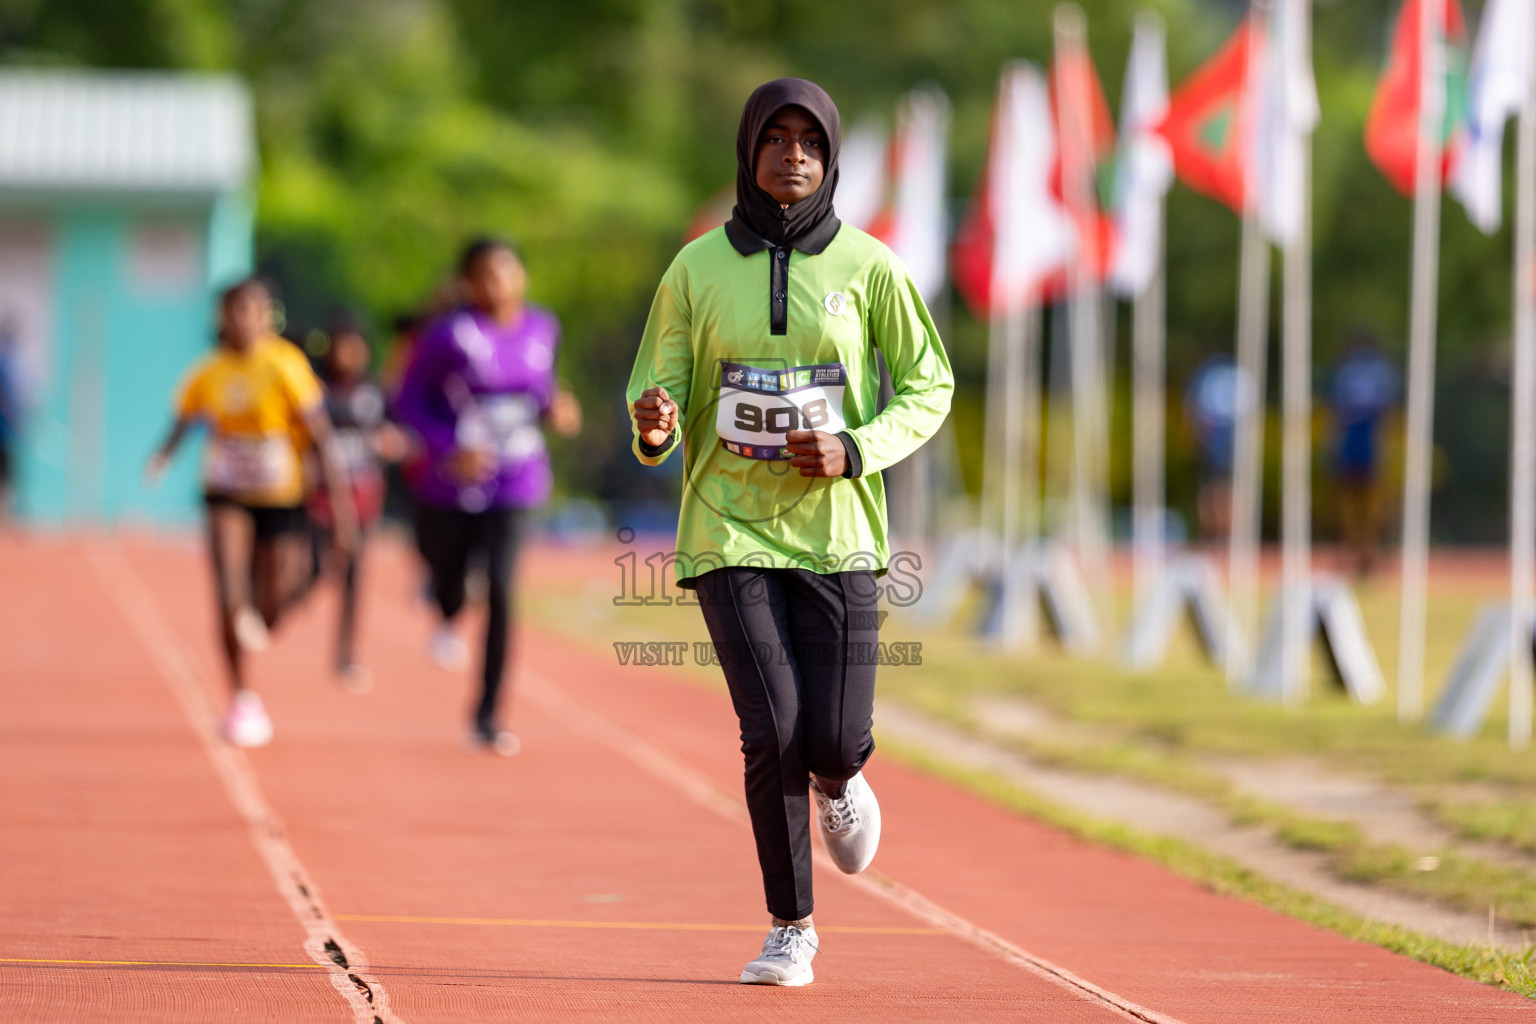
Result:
pixel 114 131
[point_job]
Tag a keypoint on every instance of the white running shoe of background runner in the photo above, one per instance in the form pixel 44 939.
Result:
pixel 251 630
pixel 785 959
pixel 247 724
pixel 355 678
pixel 449 652
pixel 850 824
pixel 496 741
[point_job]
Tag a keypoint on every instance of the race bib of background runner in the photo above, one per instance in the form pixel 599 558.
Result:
pixel 353 450
pixel 512 422
pixel 759 407
pixel 238 465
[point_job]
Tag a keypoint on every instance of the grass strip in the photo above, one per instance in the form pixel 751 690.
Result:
pixel 1511 821
pixel 1490 965
pixel 1467 883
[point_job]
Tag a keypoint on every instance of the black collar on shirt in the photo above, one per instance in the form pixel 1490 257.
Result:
pixel 812 242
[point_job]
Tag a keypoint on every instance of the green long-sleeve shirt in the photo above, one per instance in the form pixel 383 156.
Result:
pixel 709 337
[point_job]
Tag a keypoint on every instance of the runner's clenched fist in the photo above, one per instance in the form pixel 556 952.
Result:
pixel 817 453
pixel 655 416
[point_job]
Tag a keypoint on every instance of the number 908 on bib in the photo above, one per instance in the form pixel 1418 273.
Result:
pixel 759 407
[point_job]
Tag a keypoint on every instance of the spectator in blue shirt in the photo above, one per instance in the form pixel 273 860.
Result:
pixel 1217 397
pixel 1364 389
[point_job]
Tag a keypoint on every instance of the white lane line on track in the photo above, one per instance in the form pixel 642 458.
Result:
pixel 364 995
pixel 672 769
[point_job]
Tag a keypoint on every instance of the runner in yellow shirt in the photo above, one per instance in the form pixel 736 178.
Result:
pixel 261 403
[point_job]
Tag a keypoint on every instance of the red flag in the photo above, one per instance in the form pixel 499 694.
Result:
pixel 712 213
pixel 1096 128
pixel 972 254
pixel 1392 131
pixel 1209 122
pixel 1016 234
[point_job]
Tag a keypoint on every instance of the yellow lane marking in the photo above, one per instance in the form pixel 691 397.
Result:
pixel 660 926
pixel 152 963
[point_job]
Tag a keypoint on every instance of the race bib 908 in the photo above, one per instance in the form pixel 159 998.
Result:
pixel 758 407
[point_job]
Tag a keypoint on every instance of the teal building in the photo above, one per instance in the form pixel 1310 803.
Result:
pixel 125 204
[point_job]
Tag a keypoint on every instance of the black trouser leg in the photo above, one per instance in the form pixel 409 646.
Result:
pixel 803 688
pixel 498 536
pixel 346 627
pixel 834 629
pixel 443 535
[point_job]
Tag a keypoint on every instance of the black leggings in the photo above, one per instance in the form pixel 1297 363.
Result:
pixel 797 648
pixel 449 538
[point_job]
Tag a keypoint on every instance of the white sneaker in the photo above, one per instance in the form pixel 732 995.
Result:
pixel 355 678
pixel 449 652
pixel 785 959
pixel 251 630
pixel 850 824
pixel 496 741
pixel 246 724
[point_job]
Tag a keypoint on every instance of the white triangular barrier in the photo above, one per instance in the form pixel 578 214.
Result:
pixel 1335 620
pixel 1189 584
pixel 962 560
pixel 1477 675
pixel 1069 609
pixel 1048 575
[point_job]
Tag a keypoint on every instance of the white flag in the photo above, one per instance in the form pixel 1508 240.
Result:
pixel 1144 170
pixel 1288 111
pixel 861 175
pixel 918 225
pixel 1033 235
pixel 1499 81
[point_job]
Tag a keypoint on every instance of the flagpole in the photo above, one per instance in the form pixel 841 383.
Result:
pixel 1522 544
pixel 1011 456
pixel 1144 100
pixel 1421 363
pixel 1248 441
pixel 1089 432
pixel 1243 543
pixel 1296 490
pixel 1008 634
pixel 1148 345
pixel 1027 601
pixel 991 467
pixel 942 311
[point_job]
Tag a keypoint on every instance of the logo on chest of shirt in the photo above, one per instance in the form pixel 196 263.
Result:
pixel 237 396
pixel 835 303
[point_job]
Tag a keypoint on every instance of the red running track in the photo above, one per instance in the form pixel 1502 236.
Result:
pixel 367 866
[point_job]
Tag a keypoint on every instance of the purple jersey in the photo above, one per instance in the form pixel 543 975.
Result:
pixel 474 383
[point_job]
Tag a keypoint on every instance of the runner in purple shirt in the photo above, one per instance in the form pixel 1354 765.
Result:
pixel 477 394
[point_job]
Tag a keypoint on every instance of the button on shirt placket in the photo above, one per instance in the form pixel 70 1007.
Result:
pixel 778 292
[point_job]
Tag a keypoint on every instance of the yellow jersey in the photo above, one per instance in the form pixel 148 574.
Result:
pixel 254 404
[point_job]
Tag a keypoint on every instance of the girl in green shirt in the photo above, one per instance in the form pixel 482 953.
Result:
pixel 759 362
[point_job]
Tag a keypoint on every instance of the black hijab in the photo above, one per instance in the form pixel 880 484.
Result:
pixel 758 221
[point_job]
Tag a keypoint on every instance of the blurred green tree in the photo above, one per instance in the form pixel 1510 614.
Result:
pixel 590 129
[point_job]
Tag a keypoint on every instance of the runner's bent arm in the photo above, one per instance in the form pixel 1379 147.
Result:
pixel 920 374
pixel 420 405
pixel 337 483
pixel 189 403
pixel 665 361
pixel 162 456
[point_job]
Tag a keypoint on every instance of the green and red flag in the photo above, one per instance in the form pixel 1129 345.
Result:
pixel 1209 123
pixel 1085 138
pixel 1392 131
